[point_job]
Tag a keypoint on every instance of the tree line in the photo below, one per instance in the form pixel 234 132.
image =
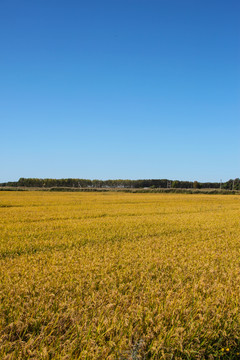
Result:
pixel 232 184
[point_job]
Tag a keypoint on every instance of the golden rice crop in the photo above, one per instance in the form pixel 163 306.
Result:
pixel 119 276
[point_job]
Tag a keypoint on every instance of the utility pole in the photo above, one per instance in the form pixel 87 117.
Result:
pixel 233 185
pixel 220 183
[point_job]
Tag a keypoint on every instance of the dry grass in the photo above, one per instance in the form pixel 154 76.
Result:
pixel 119 276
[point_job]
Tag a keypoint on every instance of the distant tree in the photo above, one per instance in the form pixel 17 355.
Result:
pixel 176 184
pixel 196 185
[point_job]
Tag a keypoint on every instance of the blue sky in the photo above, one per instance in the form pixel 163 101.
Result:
pixel 120 89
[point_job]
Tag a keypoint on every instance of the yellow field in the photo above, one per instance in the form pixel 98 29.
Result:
pixel 119 276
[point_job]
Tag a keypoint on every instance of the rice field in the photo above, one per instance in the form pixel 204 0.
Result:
pixel 119 276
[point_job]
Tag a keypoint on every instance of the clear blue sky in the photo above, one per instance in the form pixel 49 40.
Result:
pixel 120 89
